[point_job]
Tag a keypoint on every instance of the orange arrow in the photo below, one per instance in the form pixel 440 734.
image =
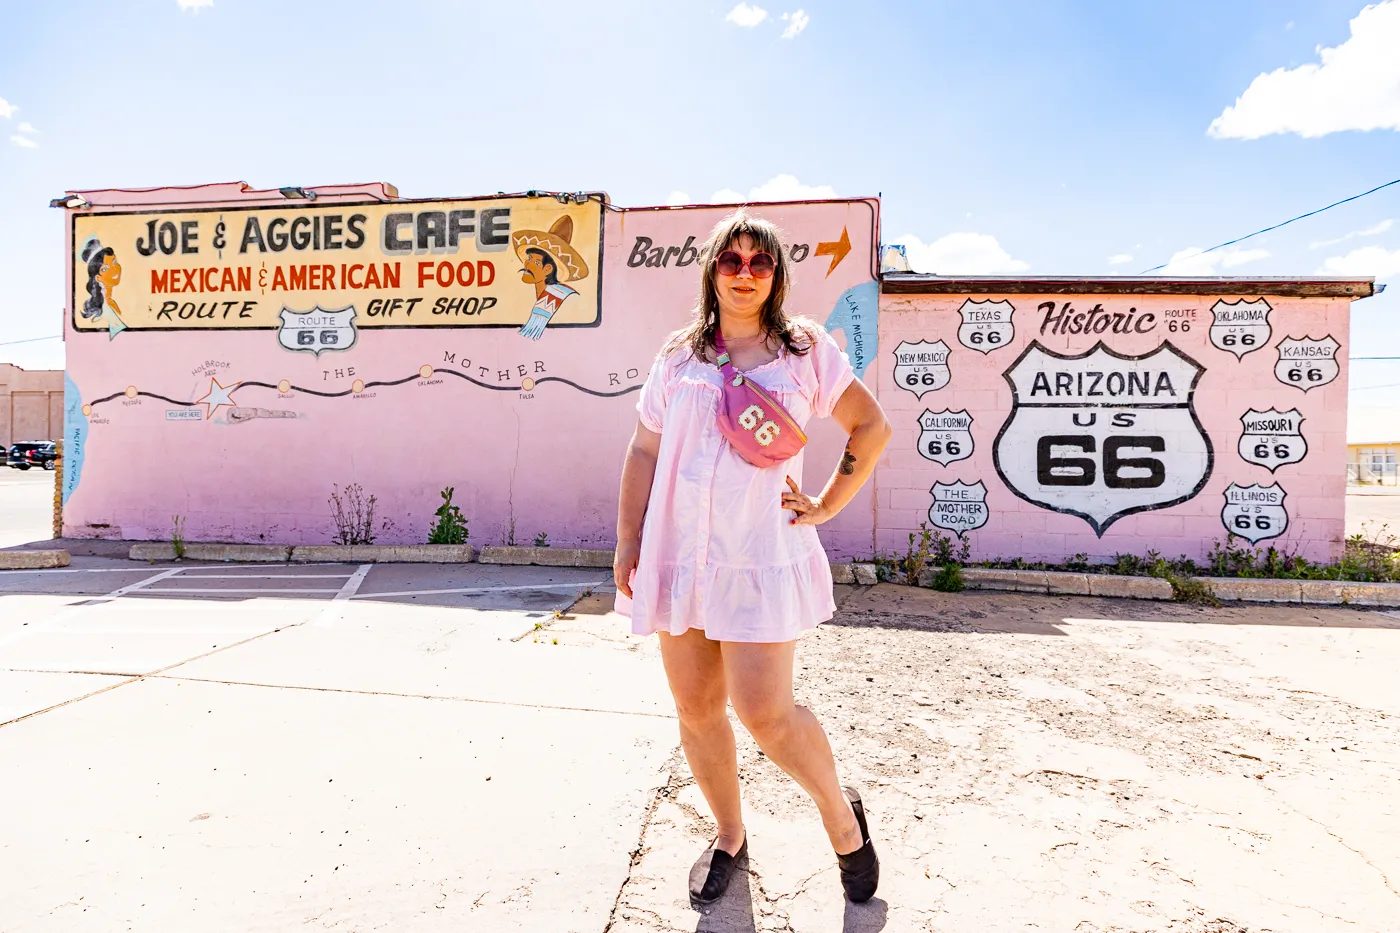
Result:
pixel 836 250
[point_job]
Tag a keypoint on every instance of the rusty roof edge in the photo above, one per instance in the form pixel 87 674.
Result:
pixel 911 283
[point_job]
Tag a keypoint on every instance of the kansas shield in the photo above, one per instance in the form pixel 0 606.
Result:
pixel 318 330
pixel 1102 435
pixel 959 507
pixel 946 436
pixel 1240 327
pixel 921 367
pixel 986 325
pixel 1272 438
pixel 1255 512
pixel 1305 363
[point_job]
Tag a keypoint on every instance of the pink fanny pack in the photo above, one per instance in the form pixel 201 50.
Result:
pixel 756 426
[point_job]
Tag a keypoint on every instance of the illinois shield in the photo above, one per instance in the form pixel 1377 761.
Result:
pixel 986 325
pixel 946 436
pixel 959 507
pixel 922 367
pixel 318 330
pixel 1240 327
pixel 1305 363
pixel 1101 435
pixel 1255 512
pixel 1272 438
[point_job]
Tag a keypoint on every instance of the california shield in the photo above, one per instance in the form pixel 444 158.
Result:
pixel 986 325
pixel 318 330
pixel 1272 438
pixel 921 367
pixel 1101 435
pixel 1255 512
pixel 946 436
pixel 959 507
pixel 1240 326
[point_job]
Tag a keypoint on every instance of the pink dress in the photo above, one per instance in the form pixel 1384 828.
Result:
pixel 717 551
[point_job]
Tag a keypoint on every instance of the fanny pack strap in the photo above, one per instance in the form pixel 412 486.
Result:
pixel 722 361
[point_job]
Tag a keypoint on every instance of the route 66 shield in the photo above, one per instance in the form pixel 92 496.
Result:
pixel 921 367
pixel 1272 438
pixel 1241 326
pixel 959 507
pixel 946 436
pixel 318 330
pixel 1255 512
pixel 986 325
pixel 1305 363
pixel 1101 435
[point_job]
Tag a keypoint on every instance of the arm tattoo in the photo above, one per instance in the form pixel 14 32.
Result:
pixel 848 462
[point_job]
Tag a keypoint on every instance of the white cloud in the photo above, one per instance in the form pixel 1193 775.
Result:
pixel 7 109
pixel 778 188
pixel 1119 258
pixel 797 21
pixel 1356 87
pixel 26 128
pixel 742 15
pixel 962 253
pixel 1373 230
pixel 726 196
pixel 194 4
pixel 1194 261
pixel 1368 260
pixel 678 198
pixel 24 142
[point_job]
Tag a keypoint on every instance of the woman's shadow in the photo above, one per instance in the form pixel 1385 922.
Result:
pixel 733 913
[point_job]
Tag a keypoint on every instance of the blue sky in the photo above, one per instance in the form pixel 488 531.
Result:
pixel 1038 136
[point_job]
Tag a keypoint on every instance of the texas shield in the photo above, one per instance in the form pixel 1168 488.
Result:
pixel 1240 326
pixel 1254 512
pixel 946 436
pixel 958 507
pixel 1101 435
pixel 1272 438
pixel 986 325
pixel 921 367
pixel 318 330
pixel 1305 363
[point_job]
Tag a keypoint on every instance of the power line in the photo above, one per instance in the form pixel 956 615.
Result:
pixel 1388 385
pixel 1276 226
pixel 11 343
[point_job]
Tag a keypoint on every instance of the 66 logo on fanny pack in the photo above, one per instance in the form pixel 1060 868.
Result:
pixel 752 419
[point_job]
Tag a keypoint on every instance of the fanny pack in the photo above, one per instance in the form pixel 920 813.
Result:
pixel 756 426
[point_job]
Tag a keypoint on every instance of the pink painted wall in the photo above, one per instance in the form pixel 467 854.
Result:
pixel 1227 389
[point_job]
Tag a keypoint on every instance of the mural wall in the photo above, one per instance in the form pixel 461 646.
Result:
pixel 1045 426
pixel 230 361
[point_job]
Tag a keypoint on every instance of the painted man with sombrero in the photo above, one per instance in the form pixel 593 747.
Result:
pixel 550 261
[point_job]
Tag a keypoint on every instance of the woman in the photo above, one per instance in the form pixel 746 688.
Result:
pixel 104 274
pixel 721 558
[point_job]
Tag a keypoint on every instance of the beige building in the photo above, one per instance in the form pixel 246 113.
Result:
pixel 1373 446
pixel 31 404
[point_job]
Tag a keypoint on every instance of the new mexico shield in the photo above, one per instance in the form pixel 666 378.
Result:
pixel 318 330
pixel 1101 435
pixel 1305 363
pixel 946 436
pixel 1255 512
pixel 1272 438
pixel 921 367
pixel 1240 327
pixel 986 325
pixel 959 507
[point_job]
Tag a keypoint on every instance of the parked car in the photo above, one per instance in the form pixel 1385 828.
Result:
pixel 42 454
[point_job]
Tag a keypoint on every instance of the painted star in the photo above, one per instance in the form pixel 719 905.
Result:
pixel 218 396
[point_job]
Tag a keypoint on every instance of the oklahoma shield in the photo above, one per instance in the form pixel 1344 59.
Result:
pixel 946 436
pixel 318 330
pixel 1240 327
pixel 1272 438
pixel 1102 435
pixel 986 325
pixel 921 367
pixel 1255 512
pixel 1305 363
pixel 959 507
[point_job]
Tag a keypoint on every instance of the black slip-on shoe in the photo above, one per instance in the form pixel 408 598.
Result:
pixel 860 870
pixel 712 872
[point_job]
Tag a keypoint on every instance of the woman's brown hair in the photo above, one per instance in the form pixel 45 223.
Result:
pixel 699 336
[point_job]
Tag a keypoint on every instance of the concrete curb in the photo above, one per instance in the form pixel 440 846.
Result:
pixel 384 553
pixel 546 556
pixel 34 560
pixel 1312 592
pixel 245 553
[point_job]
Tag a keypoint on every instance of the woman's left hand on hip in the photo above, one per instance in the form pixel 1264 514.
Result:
pixel 809 510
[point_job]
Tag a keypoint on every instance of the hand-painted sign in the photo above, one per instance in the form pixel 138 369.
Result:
pixel 1305 363
pixel 1272 438
pixel 317 330
pixel 921 367
pixel 527 263
pixel 959 507
pixel 946 436
pixel 1102 435
pixel 1240 326
pixel 1255 512
pixel 986 325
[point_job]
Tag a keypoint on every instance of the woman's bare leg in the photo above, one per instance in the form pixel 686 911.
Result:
pixel 760 686
pixel 695 670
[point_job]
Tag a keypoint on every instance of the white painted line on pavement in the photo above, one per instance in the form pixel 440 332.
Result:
pixel 582 584
pixel 331 613
pixel 267 576
pixel 231 589
pixel 89 602
pixel 138 569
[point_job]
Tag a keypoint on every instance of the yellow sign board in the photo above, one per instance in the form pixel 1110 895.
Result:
pixel 317 272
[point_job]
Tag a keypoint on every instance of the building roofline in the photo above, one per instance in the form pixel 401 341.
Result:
pixel 912 283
